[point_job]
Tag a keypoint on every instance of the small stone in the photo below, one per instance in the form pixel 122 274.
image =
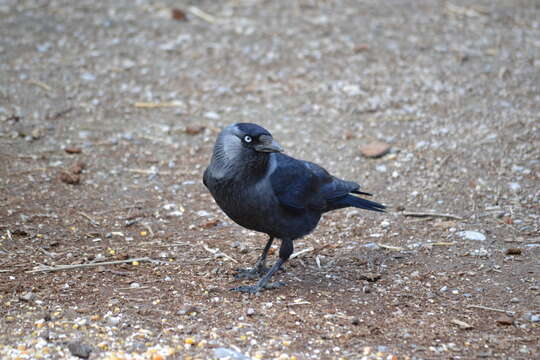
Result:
pixel 69 178
pixel 36 133
pixel 114 320
pixel 250 312
pixel 210 224
pixel 224 353
pixel 513 251
pixel 352 90
pixel 372 246
pixel 375 149
pixel 88 77
pixel 462 324
pixel 535 318
pixel 78 167
pixel 212 115
pixel 73 150
pixel 479 252
pixel 472 235
pixel 443 289
pixel 29 296
pixel 194 129
pixel 178 14
pixel 80 349
pixel 504 320
pixel 135 285
pixel 514 300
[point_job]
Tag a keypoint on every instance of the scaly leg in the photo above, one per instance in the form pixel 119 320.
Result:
pixel 285 252
pixel 260 266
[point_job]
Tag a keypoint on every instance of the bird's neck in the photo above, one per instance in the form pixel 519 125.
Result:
pixel 248 168
pixel 256 166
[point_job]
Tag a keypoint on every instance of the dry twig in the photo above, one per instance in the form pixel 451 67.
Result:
pixel 92 221
pixel 75 266
pixel 303 251
pixel 218 253
pixel 148 172
pixel 431 214
pixel 152 105
pixel 302 302
pixel 40 84
pixel 390 247
pixel 488 308
pixel 202 15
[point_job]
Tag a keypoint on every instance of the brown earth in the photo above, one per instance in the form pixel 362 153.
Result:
pixel 108 112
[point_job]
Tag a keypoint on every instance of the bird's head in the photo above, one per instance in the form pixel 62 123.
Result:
pixel 245 140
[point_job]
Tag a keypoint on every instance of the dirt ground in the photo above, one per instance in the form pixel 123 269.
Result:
pixel 108 113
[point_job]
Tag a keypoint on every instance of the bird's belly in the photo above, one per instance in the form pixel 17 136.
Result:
pixel 272 219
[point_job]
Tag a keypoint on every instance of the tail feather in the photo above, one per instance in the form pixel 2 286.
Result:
pixel 357 202
pixel 361 193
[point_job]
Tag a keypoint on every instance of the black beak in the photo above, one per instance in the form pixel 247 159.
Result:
pixel 268 146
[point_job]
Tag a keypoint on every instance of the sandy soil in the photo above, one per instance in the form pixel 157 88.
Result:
pixel 108 112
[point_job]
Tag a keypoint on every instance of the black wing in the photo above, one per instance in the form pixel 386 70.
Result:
pixel 305 185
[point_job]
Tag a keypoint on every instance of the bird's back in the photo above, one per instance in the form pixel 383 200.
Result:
pixel 287 201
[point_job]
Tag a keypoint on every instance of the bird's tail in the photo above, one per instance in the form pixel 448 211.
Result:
pixel 357 202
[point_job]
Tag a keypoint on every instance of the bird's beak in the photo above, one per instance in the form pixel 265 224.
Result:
pixel 268 144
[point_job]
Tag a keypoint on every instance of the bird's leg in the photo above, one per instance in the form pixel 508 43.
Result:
pixel 285 252
pixel 259 269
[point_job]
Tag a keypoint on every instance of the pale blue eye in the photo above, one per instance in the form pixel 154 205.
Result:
pixel 248 139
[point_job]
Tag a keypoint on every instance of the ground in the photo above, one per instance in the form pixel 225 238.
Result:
pixel 108 114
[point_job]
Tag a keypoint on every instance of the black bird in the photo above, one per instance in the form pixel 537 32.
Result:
pixel 264 190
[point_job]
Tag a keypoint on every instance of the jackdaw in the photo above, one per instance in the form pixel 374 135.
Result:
pixel 264 190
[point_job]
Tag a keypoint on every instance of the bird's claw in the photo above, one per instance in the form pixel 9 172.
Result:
pixel 274 285
pixel 247 289
pixel 253 273
pixel 254 289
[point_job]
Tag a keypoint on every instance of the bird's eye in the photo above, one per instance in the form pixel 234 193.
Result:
pixel 248 139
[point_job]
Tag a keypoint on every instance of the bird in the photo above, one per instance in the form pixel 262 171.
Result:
pixel 262 189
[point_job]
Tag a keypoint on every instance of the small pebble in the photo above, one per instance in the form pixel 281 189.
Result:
pixel 504 320
pixel 29 296
pixel 88 77
pixel 375 149
pixel 224 353
pixel 513 251
pixel 211 115
pixel 472 235
pixel 114 320
pixel 80 349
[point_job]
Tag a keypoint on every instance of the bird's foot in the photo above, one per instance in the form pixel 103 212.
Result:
pixel 253 273
pixel 254 289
